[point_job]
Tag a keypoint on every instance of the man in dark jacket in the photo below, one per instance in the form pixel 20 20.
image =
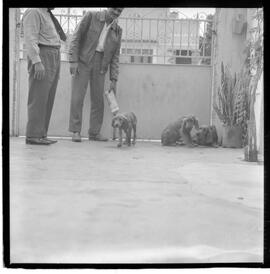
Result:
pixel 94 46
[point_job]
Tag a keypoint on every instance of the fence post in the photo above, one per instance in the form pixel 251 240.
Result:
pixel 14 39
pixel 213 65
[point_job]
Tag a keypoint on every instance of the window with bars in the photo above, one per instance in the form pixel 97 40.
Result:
pixel 141 56
pixel 182 56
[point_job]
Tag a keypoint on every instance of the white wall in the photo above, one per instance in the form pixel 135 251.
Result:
pixel 157 94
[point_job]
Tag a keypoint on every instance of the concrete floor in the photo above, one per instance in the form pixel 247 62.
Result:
pixel 92 202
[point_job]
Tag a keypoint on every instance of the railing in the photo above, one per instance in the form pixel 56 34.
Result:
pixel 155 40
pixel 166 41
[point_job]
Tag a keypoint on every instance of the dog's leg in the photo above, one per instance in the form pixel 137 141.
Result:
pixel 187 138
pixel 114 133
pixel 128 137
pixel 134 134
pixel 120 137
pixel 167 142
pixel 215 145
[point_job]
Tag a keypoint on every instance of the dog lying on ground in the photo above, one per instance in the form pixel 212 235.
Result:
pixel 206 136
pixel 179 131
pixel 125 122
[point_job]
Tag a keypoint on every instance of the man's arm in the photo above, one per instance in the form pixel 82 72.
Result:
pixel 114 65
pixel 31 27
pixel 77 36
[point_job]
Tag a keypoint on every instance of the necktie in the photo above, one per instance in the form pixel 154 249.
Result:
pixel 58 26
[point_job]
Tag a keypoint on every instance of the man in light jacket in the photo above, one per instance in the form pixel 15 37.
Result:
pixel 42 34
pixel 95 46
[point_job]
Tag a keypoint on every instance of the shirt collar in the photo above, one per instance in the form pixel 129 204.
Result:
pixel 102 16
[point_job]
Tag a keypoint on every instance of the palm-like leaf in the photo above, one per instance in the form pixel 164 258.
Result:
pixel 231 106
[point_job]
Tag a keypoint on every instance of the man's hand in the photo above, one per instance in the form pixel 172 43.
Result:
pixel 113 86
pixel 74 68
pixel 39 71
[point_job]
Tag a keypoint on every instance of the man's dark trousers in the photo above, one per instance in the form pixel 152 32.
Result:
pixel 79 86
pixel 42 92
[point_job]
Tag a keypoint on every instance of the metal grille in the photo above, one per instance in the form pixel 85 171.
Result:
pixel 150 40
pixel 166 41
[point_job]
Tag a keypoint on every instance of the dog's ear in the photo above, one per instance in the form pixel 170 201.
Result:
pixel 113 120
pixel 213 128
pixel 185 120
pixel 208 136
pixel 196 122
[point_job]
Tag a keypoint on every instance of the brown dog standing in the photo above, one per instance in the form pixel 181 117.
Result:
pixel 125 122
pixel 179 131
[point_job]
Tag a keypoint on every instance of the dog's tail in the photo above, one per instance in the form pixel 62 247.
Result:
pixel 133 117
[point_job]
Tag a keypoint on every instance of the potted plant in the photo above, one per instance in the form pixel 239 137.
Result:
pixel 232 107
pixel 237 95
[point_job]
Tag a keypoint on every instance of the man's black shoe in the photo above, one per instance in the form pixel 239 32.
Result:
pixel 37 141
pixel 97 137
pixel 50 140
